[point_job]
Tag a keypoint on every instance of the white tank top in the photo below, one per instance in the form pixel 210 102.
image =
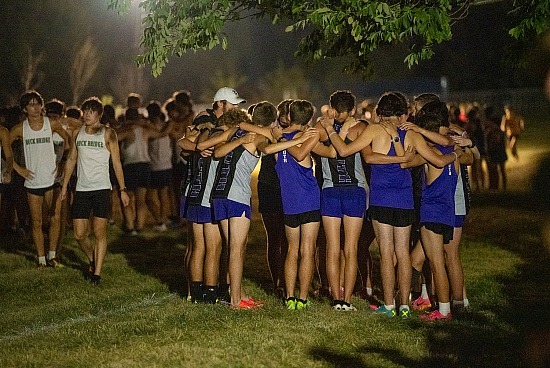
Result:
pixel 136 151
pixel 160 151
pixel 93 161
pixel 39 155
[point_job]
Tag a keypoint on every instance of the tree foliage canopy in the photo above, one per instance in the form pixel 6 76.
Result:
pixel 349 28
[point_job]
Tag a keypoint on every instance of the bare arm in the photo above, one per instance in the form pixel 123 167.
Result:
pixel 343 149
pixel 467 157
pixel 6 147
pixel 266 132
pixel 70 164
pixel 279 146
pixel 371 157
pixel 416 161
pixel 432 136
pixel 216 139
pixel 429 154
pixel 189 141
pixel 153 133
pixel 17 133
pixel 324 151
pixel 225 148
pixel 302 152
pixel 112 145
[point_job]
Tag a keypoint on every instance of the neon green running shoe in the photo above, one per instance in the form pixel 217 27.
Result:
pixel 303 304
pixel 390 313
pixel 404 312
pixel 290 303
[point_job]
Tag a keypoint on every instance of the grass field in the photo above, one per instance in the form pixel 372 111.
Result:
pixel 136 317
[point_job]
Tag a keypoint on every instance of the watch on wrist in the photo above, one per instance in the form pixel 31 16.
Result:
pixel 123 189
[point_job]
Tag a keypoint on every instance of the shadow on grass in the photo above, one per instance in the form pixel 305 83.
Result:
pixel 159 256
pixel 21 243
pixel 491 335
pixel 473 340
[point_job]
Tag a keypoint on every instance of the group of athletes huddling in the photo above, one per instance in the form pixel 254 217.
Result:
pixel 312 180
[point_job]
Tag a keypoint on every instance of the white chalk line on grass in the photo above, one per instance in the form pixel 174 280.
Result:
pixel 145 302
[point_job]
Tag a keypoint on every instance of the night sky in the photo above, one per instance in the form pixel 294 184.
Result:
pixel 473 60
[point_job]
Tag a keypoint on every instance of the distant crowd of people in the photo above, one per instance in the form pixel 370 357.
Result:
pixel 494 132
pixel 328 186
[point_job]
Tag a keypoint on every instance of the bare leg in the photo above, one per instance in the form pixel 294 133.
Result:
pixel 352 231
pixel 153 202
pixel 165 204
pixel 130 211
pixel 213 242
pixel 385 238
pixel 404 270
pixel 364 258
pixel 454 265
pixel 141 208
pixel 55 219
pixel 308 239
pixel 277 246
pixel 80 229
pixel 331 226
pixel 238 235
pixel 433 246
pixel 35 205
pixel 291 261
pixel 100 250
pixel 196 262
pixel 321 261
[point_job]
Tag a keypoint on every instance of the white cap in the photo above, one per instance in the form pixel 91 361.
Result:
pixel 229 95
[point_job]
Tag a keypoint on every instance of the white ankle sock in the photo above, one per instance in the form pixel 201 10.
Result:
pixel 51 254
pixel 445 308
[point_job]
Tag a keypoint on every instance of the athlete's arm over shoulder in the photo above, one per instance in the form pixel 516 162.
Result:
pixel 302 152
pixel 428 153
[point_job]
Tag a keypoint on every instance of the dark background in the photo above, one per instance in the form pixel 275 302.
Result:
pixel 477 57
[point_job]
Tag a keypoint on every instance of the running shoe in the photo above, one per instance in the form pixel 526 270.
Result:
pixel 95 279
pixel 303 304
pixel 160 228
pixel 224 298
pixel 336 305
pixel 290 303
pixel 254 302
pixel 347 307
pixel 244 304
pixel 435 316
pixel 404 312
pixel 54 263
pixel 420 304
pixel 390 313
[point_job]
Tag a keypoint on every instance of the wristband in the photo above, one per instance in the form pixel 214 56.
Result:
pixel 471 146
pixel 456 155
pixel 464 133
pixel 333 132
pixel 123 189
